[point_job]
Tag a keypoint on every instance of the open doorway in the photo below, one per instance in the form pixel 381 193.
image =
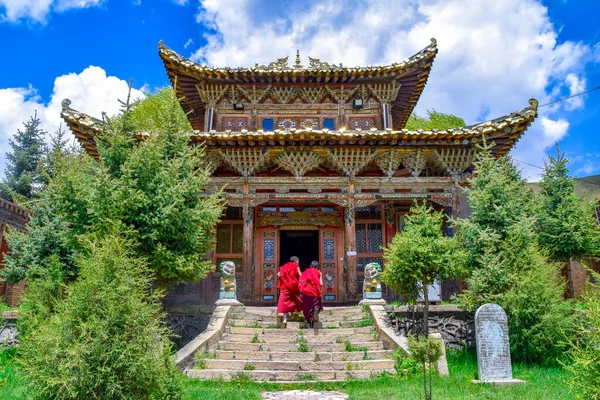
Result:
pixel 302 244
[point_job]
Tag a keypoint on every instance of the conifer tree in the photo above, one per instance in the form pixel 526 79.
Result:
pixel 566 223
pixel 22 178
pixel 507 265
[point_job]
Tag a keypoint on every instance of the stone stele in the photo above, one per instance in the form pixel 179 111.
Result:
pixel 493 349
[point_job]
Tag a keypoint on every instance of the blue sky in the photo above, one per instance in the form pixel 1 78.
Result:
pixel 493 55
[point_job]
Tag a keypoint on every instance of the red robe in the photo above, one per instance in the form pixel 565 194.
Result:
pixel 289 294
pixel 310 283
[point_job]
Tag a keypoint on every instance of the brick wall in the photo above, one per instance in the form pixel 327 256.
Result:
pixel 14 292
pixel 580 275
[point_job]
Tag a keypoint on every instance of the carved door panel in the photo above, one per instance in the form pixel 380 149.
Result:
pixel 331 264
pixel 267 254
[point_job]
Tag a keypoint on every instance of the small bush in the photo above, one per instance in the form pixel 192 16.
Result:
pixel 584 351
pixel 404 364
pixel 106 339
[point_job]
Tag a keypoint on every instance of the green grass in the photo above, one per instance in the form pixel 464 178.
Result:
pixel 544 383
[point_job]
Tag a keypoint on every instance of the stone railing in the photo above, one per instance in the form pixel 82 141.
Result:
pixel 455 325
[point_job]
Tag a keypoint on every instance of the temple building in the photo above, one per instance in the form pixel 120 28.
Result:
pixel 315 162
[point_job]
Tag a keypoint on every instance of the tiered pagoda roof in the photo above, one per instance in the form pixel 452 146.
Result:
pixel 411 75
pixel 504 132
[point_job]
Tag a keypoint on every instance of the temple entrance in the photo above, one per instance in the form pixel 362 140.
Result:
pixel 302 244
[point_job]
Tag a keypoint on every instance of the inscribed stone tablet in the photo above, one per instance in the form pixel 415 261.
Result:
pixel 493 350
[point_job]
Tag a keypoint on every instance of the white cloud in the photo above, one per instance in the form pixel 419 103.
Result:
pixel 531 150
pixel 493 56
pixel 90 91
pixel 576 85
pixel 38 10
pixel 189 42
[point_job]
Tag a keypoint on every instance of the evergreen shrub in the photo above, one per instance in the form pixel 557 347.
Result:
pixel 106 339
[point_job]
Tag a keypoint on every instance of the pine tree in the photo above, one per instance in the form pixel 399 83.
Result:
pixel 507 265
pixel 22 178
pixel 58 149
pixel 566 223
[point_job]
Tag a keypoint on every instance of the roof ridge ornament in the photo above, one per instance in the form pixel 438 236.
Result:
pixel 317 64
pixel 279 65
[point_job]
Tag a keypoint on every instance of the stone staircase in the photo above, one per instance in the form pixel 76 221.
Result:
pixel 343 345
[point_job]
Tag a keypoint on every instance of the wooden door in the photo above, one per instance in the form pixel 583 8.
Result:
pixel 331 244
pixel 267 256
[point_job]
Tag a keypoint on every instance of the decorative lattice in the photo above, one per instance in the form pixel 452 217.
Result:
pixel 415 162
pixel 284 94
pixel 328 250
pixel 246 161
pixel 385 92
pixel 211 92
pixel 361 238
pixel 298 162
pixel 313 94
pixel 309 123
pixel 389 162
pixel 457 160
pixel 287 124
pixel 363 123
pixel 375 238
pixel 234 123
pixel 350 160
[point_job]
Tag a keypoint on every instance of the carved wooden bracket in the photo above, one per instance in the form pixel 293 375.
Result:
pixel 389 162
pixel 350 161
pixel 298 162
pixel 415 162
pixel 246 161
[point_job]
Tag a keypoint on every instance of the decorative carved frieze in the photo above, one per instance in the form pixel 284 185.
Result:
pixel 284 94
pixel 298 162
pixel 246 160
pixel 385 92
pixel 457 159
pixel 313 94
pixel 211 92
pixel 415 162
pixel 363 123
pixel 342 94
pixel 255 95
pixel 389 162
pixel 350 161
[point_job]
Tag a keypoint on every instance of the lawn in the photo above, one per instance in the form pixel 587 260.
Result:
pixel 544 383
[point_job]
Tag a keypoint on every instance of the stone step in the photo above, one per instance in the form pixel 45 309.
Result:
pixel 285 376
pixel 293 347
pixel 276 337
pixel 294 365
pixel 308 332
pixel 310 356
pixel 247 316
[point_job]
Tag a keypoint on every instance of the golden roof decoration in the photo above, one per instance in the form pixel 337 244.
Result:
pixel 504 132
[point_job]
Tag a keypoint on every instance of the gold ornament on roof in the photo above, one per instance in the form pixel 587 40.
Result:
pixel 317 64
pixel 278 65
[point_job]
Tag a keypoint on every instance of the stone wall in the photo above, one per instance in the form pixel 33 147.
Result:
pixel 455 325
pixel 187 321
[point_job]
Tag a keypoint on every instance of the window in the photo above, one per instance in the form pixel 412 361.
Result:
pixel 267 124
pixel 229 239
pixel 369 238
pixel 329 123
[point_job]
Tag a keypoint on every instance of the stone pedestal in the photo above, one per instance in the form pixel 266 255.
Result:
pixel 228 302
pixel 372 302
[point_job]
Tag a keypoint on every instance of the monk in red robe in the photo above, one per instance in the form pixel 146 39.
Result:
pixel 289 294
pixel 311 286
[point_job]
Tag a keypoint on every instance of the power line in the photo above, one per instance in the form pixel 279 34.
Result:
pixel 569 97
pixel 537 166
